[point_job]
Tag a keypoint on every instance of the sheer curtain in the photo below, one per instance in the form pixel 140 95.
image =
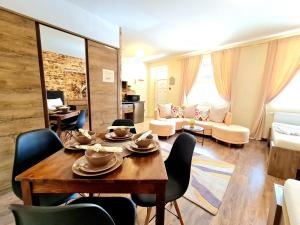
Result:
pixel 282 64
pixel 225 64
pixel 190 68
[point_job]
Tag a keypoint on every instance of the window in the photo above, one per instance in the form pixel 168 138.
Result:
pixel 288 99
pixel 204 89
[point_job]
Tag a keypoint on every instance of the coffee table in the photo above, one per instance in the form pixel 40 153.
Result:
pixel 195 130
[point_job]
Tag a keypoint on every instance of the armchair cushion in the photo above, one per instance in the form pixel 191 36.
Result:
pixel 165 110
pixel 218 113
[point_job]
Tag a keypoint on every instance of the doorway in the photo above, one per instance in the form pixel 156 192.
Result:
pixel 161 91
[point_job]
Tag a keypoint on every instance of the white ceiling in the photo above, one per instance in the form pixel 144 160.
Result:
pixel 180 26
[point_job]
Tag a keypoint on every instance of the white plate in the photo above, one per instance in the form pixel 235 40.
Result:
pixel 135 146
pixel 130 148
pixel 76 168
pixel 111 136
pixel 87 167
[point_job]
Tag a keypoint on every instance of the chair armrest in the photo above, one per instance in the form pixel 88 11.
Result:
pixel 156 114
pixel 228 118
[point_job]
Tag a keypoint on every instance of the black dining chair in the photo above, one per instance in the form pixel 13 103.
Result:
pixel 124 122
pixel 178 166
pixel 31 148
pixel 122 210
pixel 80 214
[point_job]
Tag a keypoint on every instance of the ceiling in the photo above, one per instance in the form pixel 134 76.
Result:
pixel 168 27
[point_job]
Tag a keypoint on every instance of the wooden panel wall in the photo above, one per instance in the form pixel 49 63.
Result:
pixel 104 97
pixel 21 107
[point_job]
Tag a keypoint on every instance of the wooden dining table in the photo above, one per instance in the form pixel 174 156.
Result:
pixel 58 117
pixel 139 173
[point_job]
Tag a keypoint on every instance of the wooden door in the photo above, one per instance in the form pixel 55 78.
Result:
pixel 104 95
pixel 161 91
pixel 20 87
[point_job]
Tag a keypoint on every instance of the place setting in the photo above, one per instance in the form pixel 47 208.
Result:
pixel 77 140
pixel 118 133
pixel 98 160
pixel 143 143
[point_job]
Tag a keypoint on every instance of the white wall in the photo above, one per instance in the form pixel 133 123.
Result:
pixel 68 16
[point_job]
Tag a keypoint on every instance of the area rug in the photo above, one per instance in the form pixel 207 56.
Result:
pixel 209 180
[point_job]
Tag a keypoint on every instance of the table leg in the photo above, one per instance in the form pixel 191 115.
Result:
pixel 58 131
pixel 160 205
pixel 26 192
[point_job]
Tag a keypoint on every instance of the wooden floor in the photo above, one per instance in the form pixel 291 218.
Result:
pixel 246 201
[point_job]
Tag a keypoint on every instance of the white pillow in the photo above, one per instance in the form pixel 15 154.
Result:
pixel 218 113
pixel 165 110
pixel 52 103
pixel 189 111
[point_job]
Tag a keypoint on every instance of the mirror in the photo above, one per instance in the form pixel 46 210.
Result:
pixel 64 64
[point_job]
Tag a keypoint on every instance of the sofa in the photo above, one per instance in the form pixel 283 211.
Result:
pixel 216 121
pixel 291 202
pixel 284 155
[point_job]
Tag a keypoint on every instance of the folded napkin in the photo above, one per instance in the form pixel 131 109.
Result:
pixel 144 135
pixel 85 133
pixel 100 148
pixel 116 127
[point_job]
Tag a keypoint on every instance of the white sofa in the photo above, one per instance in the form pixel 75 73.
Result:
pixel 229 133
pixel 284 156
pixel 291 202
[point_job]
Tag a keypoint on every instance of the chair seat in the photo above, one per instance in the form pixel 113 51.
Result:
pixel 174 190
pixel 122 210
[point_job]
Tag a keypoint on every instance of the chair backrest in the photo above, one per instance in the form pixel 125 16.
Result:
pixel 78 214
pixel 56 94
pixel 80 120
pixel 125 122
pixel 180 159
pixel 31 148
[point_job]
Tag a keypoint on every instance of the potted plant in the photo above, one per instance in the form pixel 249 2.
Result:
pixel 192 123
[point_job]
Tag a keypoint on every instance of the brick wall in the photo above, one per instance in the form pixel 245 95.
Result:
pixel 65 73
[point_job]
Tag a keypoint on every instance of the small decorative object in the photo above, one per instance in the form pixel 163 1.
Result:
pixel 192 123
pixel 172 80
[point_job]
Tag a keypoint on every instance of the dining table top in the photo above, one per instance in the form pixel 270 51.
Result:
pixel 62 116
pixel 135 167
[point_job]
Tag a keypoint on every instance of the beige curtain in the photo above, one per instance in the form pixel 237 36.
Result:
pixel 225 64
pixel 190 67
pixel 282 64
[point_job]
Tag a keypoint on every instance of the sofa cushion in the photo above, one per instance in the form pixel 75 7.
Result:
pixel 218 113
pixel 189 111
pixel 179 122
pixel 202 113
pixel 207 125
pixel 165 110
pixel 286 141
pixel 176 111
pixel 291 193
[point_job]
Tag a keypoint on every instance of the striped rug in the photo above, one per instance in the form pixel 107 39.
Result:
pixel 208 182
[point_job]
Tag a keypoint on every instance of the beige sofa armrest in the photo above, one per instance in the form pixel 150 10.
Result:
pixel 228 118
pixel 156 114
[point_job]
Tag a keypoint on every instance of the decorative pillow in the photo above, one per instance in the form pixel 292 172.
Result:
pixel 189 111
pixel 52 103
pixel 176 111
pixel 228 118
pixel 165 110
pixel 202 113
pixel 218 113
